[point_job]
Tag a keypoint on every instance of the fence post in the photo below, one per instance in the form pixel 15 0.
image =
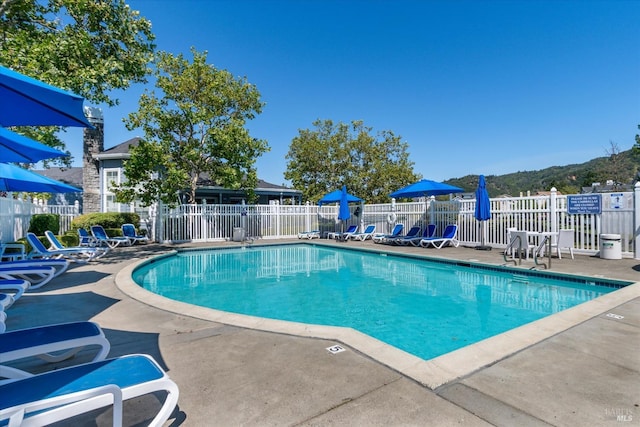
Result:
pixel 636 220
pixel 553 211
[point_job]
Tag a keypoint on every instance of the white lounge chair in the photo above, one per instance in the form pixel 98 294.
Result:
pixel 313 234
pixel 59 265
pixel 51 343
pixel 38 250
pixel 36 275
pixel 62 394
pixel 85 239
pixel 103 238
pixel 368 233
pixel 449 237
pixel 5 302
pixel 13 287
pixel 129 231
pixel 91 253
pixel 411 234
pixel 351 230
pixel 12 252
pixel 427 233
pixel 3 318
pixel 384 238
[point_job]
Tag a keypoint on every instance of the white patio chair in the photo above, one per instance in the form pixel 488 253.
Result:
pixel 566 240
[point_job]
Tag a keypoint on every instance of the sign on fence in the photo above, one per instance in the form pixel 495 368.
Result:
pixel 617 201
pixel 584 204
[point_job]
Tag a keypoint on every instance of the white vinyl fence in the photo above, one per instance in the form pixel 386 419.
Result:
pixel 620 214
pixel 15 216
pixel 202 223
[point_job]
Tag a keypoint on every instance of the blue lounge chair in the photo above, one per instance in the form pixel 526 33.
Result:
pixel 428 233
pixel 366 234
pixel 3 315
pixel 343 235
pixel 103 239
pixel 65 339
pixel 86 239
pixel 12 252
pixel 411 234
pixel 129 231
pixel 5 302
pixel 448 237
pixel 36 275
pixel 59 265
pixel 38 250
pixel 92 253
pixel 347 234
pixel 383 238
pixel 14 288
pixel 62 394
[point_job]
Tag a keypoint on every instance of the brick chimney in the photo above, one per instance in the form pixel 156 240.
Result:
pixel 93 143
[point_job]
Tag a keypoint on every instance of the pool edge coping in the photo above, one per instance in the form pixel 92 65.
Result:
pixel 431 373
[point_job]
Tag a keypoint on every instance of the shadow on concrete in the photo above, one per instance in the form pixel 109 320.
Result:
pixel 128 342
pixel 80 306
pixel 72 278
pixel 129 253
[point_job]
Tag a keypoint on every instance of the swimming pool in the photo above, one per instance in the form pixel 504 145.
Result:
pixel 425 308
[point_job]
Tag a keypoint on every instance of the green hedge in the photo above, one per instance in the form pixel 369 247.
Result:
pixel 109 220
pixel 42 222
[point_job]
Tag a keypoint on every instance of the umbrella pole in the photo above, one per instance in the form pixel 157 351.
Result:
pixel 483 238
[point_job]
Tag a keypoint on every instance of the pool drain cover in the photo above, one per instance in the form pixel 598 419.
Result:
pixel 335 349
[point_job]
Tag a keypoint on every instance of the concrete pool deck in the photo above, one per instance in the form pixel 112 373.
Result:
pixel 582 368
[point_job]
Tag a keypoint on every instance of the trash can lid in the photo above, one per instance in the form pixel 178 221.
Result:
pixel 610 236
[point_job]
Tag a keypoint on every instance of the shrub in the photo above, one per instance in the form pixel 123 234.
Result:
pixel 43 222
pixel 109 220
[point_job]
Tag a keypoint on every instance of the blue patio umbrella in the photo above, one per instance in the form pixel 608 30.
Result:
pixel 15 178
pixel 344 213
pixel 483 210
pixel 18 148
pixel 336 196
pixel 25 101
pixel 425 187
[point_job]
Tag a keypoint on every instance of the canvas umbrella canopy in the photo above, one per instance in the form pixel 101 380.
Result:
pixel 15 178
pixel 425 187
pixel 483 210
pixel 25 101
pixel 20 149
pixel 336 196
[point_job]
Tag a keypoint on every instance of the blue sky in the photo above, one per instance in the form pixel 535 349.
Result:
pixel 474 87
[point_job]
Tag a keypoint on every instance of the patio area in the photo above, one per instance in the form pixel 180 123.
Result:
pixel 228 375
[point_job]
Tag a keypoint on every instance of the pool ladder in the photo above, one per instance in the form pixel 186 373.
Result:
pixel 536 253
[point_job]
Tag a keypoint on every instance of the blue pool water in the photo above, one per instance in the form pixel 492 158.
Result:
pixel 425 308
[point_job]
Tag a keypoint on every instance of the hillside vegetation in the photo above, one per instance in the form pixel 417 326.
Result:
pixel 621 168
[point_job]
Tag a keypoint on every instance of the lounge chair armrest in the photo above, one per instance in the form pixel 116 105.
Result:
pixel 17 251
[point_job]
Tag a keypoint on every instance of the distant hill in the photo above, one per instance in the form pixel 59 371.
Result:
pixel 569 179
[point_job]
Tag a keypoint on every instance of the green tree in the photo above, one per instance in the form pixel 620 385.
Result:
pixel 90 48
pixel 331 155
pixel 194 126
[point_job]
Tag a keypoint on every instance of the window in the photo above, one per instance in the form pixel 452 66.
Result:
pixel 109 204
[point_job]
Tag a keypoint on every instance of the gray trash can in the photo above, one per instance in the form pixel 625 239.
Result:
pixel 610 246
pixel 238 234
